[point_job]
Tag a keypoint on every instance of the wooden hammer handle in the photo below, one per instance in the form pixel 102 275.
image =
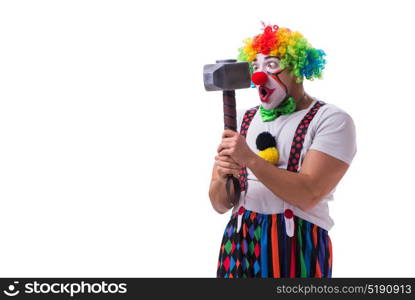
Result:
pixel 229 110
pixel 229 115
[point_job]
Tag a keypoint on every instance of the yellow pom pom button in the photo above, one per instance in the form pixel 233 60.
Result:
pixel 270 155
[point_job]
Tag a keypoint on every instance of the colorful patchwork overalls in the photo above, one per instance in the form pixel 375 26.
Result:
pixel 274 245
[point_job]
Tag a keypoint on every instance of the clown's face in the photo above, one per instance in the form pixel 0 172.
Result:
pixel 272 82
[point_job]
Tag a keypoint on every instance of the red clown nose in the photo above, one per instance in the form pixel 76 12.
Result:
pixel 259 78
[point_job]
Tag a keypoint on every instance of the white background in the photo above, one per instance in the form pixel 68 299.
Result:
pixel 107 137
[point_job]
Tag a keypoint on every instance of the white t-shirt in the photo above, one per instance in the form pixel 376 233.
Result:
pixel 331 131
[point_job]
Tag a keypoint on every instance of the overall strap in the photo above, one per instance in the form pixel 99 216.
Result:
pixel 246 121
pixel 298 140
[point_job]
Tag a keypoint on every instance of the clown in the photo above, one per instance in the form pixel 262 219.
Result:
pixel 290 153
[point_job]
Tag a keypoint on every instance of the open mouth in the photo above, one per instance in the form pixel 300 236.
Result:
pixel 264 93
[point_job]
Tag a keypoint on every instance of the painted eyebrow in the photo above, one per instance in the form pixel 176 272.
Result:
pixel 266 57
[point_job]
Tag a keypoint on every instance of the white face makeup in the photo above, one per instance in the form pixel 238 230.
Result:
pixel 273 91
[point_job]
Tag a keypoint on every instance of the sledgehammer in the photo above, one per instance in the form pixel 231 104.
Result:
pixel 227 76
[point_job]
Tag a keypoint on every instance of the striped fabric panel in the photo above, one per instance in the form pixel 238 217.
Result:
pixel 330 257
pixel 308 248
pixel 320 251
pixel 262 249
pixel 300 234
pixel 275 249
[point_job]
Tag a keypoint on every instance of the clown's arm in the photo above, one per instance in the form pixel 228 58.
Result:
pixel 318 175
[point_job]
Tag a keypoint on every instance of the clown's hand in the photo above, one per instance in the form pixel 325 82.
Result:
pixel 235 146
pixel 225 166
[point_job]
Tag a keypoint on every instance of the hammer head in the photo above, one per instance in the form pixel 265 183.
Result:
pixel 226 75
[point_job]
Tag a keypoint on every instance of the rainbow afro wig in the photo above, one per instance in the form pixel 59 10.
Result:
pixel 291 48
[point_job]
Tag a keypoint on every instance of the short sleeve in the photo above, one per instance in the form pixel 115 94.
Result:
pixel 335 135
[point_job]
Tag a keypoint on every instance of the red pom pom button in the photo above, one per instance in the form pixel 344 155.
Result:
pixel 259 78
pixel 288 213
pixel 241 210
